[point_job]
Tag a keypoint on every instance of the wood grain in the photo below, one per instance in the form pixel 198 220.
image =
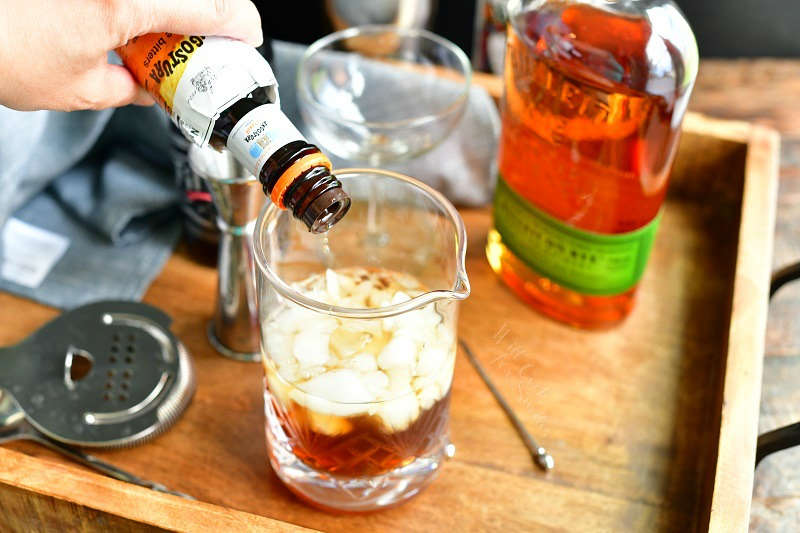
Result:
pixel 43 495
pixel 730 508
pixel 765 91
pixel 25 510
pixel 630 415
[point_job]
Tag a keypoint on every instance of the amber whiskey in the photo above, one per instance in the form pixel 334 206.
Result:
pixel 591 118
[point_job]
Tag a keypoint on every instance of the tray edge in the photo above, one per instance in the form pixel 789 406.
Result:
pixel 741 389
pixel 24 472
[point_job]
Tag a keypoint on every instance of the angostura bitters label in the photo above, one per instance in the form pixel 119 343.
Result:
pixel 158 60
pixel 259 134
pixel 194 78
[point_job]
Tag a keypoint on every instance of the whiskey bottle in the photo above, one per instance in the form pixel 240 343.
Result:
pixel 595 93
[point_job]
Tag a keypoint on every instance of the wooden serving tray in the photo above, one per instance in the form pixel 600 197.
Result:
pixel 652 425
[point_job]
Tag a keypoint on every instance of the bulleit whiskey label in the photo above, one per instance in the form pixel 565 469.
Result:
pixel 584 261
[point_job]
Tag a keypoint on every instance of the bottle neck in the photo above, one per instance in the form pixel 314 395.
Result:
pixel 296 175
pixel 317 198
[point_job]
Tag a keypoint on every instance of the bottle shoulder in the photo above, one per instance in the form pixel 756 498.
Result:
pixel 641 46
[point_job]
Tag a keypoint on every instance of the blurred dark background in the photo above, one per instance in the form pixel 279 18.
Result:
pixel 724 28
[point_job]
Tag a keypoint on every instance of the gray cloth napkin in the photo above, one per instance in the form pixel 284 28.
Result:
pixel 102 180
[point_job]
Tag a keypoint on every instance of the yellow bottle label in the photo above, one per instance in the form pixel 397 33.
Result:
pixel 158 61
pixel 194 78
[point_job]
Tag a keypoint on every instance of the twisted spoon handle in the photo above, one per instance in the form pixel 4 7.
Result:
pixel 540 456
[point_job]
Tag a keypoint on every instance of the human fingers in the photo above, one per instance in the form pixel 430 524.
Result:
pixel 238 19
pixel 142 98
pixel 105 86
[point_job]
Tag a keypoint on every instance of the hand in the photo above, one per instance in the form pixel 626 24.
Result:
pixel 53 53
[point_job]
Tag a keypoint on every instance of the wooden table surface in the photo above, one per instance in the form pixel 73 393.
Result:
pixel 767 91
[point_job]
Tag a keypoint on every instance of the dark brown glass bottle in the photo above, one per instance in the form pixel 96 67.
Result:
pixel 295 174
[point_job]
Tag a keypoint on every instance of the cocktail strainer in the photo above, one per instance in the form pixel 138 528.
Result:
pixel 106 374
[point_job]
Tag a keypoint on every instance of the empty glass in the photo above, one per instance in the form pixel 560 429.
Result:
pixel 407 13
pixel 359 342
pixel 378 94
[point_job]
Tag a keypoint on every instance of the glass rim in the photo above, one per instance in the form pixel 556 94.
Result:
pixel 303 83
pixel 460 290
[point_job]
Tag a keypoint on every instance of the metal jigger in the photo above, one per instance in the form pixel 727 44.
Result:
pixel 238 198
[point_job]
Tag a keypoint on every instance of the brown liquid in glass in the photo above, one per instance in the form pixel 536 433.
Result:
pixel 368 449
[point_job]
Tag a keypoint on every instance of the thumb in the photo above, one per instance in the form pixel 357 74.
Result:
pixel 107 86
pixel 238 19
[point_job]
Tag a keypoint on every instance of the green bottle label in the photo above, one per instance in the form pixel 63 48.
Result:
pixel 586 262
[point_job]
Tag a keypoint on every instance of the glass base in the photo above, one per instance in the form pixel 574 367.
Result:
pixel 329 492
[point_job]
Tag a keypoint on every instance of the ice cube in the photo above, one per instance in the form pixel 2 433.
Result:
pixel 293 318
pixel 360 292
pixel 444 334
pixel 331 425
pixel 369 325
pixel 397 414
pixel 400 380
pixel 377 298
pixel 321 295
pixel 349 340
pixel 310 347
pixel 423 320
pixel 399 352
pixel 362 363
pixel 290 373
pixel 277 387
pixel 341 385
pixel 430 360
pixel 444 376
pixel 377 382
pixel 279 345
pixel 309 372
pixel 347 282
pixel 325 407
pixel 400 297
pixel 356 298
pixel 428 395
pixel 392 323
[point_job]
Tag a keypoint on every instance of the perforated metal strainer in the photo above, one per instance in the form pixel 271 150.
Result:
pixel 107 374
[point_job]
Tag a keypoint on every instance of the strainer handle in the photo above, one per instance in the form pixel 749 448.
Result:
pixel 9 365
pixel 108 469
